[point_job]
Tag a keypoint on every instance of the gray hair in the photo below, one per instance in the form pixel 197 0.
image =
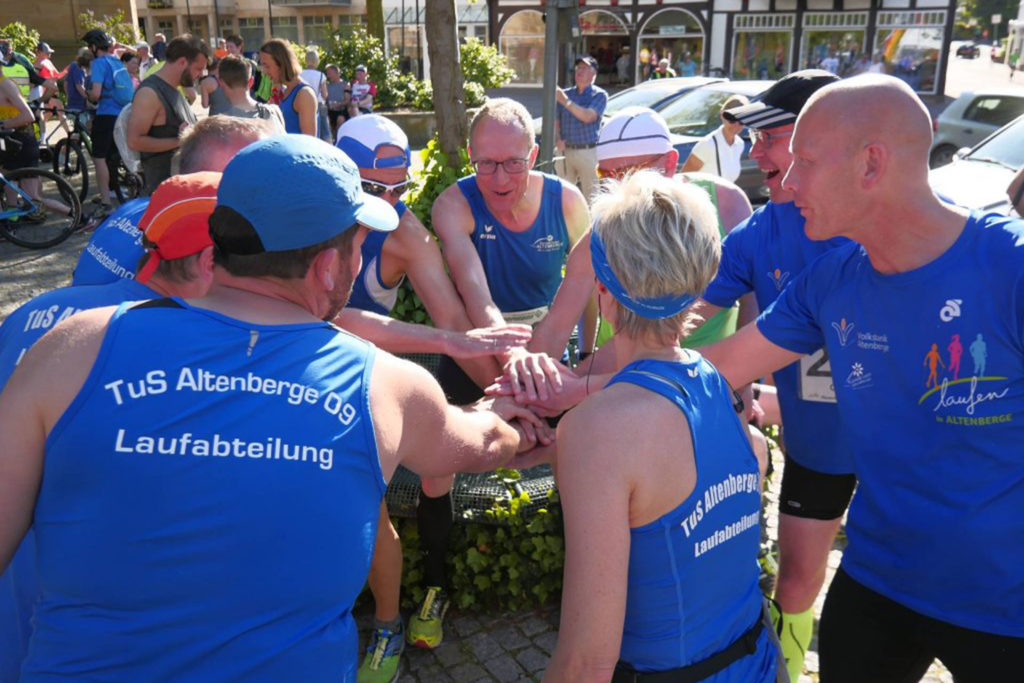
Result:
pixel 213 134
pixel 506 111
pixel 661 238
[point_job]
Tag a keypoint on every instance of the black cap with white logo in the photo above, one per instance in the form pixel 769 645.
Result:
pixel 781 104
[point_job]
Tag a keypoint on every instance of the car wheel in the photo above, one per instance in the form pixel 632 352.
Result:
pixel 941 155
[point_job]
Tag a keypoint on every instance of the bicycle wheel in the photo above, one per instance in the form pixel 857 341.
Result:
pixel 38 223
pixel 70 163
pixel 125 184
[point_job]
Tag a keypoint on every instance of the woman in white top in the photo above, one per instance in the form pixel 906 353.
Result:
pixel 720 152
pixel 316 79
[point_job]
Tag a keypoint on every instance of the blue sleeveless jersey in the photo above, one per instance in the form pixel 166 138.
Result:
pixel 764 254
pixel 115 248
pixel 209 504
pixel 523 269
pixel 369 292
pixel 693 573
pixel 19 587
pixel 291 117
pixel 929 369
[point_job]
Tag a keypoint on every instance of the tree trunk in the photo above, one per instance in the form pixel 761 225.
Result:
pixel 446 78
pixel 375 19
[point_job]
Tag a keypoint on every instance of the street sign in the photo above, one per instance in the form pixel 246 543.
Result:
pixel 997 18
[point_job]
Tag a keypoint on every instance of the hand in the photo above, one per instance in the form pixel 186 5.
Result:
pixel 561 97
pixel 487 341
pixel 560 145
pixel 537 455
pixel 532 435
pixel 574 390
pixel 532 375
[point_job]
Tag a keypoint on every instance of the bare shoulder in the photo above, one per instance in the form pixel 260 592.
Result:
pixel 574 208
pixel 451 211
pixel 605 424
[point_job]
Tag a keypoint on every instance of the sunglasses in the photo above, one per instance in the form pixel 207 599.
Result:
pixel 376 189
pixel 767 139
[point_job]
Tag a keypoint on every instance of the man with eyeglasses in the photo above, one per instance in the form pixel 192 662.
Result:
pixel 381 151
pixel 579 120
pixel 506 231
pixel 763 255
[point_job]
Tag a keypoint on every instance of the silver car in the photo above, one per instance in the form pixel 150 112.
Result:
pixel 978 179
pixel 970 119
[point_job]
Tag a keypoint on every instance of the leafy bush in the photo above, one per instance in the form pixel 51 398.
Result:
pixel 428 184
pixel 504 561
pixel 115 24
pixel 484 65
pixel 349 48
pixel 23 39
pixel 473 94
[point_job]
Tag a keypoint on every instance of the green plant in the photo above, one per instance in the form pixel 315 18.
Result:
pixel 503 560
pixel 115 24
pixel 349 48
pixel 23 39
pixel 484 65
pixel 473 94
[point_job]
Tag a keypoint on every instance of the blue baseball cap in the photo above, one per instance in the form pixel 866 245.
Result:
pixel 297 191
pixel 362 136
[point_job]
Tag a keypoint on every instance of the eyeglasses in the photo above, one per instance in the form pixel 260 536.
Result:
pixel 767 139
pixel 511 166
pixel 376 189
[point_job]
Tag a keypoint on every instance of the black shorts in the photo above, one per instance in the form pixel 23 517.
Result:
pixel 458 387
pixel 865 636
pixel 25 156
pixel 814 495
pixel 103 136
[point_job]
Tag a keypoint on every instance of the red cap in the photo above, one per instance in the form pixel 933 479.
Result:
pixel 177 221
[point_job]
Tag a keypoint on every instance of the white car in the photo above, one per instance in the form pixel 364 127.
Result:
pixel 971 118
pixel 978 179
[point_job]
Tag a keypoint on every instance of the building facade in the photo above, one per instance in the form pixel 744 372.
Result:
pixel 300 21
pixel 741 39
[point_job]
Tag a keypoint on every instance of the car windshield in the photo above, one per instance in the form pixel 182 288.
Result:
pixel 1006 147
pixel 696 112
pixel 639 97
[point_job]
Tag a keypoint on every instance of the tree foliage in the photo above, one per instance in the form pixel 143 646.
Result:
pixel 23 39
pixel 484 64
pixel 115 24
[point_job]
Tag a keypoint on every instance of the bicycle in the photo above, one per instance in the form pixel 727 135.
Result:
pixel 69 161
pixel 38 208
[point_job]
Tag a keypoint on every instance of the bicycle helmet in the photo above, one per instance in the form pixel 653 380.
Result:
pixel 98 38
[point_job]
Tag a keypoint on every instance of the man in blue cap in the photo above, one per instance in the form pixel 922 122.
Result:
pixel 214 468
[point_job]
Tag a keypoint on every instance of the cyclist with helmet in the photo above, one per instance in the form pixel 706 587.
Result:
pixel 104 66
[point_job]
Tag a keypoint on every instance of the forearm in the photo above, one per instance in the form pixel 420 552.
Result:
pixel 576 667
pixel 491 442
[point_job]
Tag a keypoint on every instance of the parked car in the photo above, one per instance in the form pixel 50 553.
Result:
pixel 970 119
pixel 968 49
pixel 978 178
pixel 653 94
pixel 696 114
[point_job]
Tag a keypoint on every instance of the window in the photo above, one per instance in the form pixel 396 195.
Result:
pixel 227 27
pixel 250 29
pixel 522 41
pixel 285 27
pixel 995 111
pixel 198 27
pixel 317 30
pixel 166 27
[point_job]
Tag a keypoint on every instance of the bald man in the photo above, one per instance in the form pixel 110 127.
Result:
pixel 934 562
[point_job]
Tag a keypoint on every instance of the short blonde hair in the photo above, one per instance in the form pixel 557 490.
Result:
pixel 505 111
pixel 661 238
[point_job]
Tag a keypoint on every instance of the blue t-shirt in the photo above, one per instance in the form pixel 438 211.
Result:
pixel 115 248
pixel 929 368
pixel 523 269
pixel 693 574
pixel 19 587
pixel 76 76
pixel 103 72
pixel 369 292
pixel 763 254
pixel 209 504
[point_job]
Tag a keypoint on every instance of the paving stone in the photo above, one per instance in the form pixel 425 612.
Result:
pixel 509 637
pixel 465 625
pixel 417 657
pixel 467 673
pixel 450 655
pixel 407 678
pixel 532 659
pixel 546 641
pixel 533 625
pixel 484 647
pixel 504 668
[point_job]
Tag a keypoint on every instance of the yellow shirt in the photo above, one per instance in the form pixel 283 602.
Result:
pixel 7 111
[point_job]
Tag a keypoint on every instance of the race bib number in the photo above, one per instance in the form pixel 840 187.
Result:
pixel 816 378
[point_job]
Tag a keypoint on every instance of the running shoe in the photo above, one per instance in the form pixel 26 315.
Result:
pixel 37 216
pixel 383 656
pixel 426 627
